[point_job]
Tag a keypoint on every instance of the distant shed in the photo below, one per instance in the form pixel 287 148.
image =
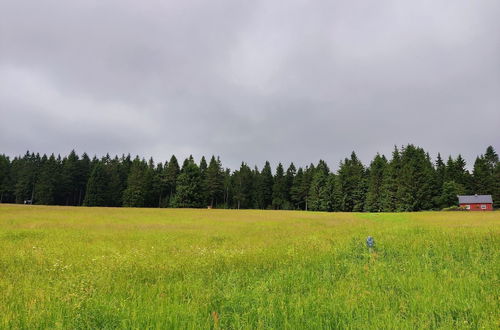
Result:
pixel 476 202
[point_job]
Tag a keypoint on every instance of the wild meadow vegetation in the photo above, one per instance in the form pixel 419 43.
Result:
pixel 67 267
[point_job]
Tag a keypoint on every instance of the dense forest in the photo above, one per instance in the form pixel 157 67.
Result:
pixel 409 181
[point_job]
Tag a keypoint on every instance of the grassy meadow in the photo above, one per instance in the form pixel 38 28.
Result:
pixel 66 267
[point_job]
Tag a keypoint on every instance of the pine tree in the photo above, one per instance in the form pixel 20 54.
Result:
pixel 171 174
pixel 289 177
pixel 306 185
pixel 47 183
pixel 390 183
pixel 376 172
pixel 296 191
pixel 353 184
pixel 483 180
pixel 265 187
pixel 242 186
pixel 415 189
pixel 189 182
pixel 449 194
pixel 138 184
pixel 440 173
pixel 97 187
pixel 84 168
pixel 319 192
pixel 280 189
pixel 496 186
pixel 203 174
pixel 4 176
pixel 117 182
pixel 214 182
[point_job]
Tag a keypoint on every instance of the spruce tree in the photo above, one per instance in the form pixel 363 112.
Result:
pixel 296 190
pixel 390 182
pixel 242 182
pixel 376 172
pixel 352 179
pixel 483 180
pixel 189 183
pixel 171 174
pixel 48 180
pixel 265 187
pixel 4 176
pixel 138 184
pixel 449 194
pixel 214 182
pixel 280 190
pixel 319 194
pixel 97 186
pixel 289 177
pixel 415 189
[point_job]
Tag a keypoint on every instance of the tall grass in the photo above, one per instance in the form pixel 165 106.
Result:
pixel 146 268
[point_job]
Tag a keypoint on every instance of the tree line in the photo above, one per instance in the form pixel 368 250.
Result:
pixel 409 181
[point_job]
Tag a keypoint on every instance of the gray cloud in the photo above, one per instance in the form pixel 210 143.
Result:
pixel 250 81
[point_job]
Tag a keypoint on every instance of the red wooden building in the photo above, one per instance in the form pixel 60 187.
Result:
pixel 476 202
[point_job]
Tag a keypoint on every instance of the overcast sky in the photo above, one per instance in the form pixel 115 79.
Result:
pixel 249 80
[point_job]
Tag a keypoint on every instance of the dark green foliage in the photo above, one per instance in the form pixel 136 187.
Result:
pixel 449 194
pixel 264 187
pixel 49 178
pixel 214 182
pixel 139 184
pixel 352 179
pixel 189 186
pixel 280 201
pixel 376 172
pixel 456 171
pixel 295 191
pixel 4 177
pixel 97 187
pixel 171 173
pixel 416 181
pixel 486 175
pixel 289 178
pixel 320 190
pixel 242 182
pixel 409 181
pixel 390 183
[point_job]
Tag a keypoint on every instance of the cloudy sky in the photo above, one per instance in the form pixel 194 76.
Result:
pixel 249 80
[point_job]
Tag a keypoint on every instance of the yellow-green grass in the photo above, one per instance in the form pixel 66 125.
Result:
pixel 65 267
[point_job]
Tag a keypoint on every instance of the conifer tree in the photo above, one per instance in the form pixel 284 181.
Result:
pixel 279 189
pixel 390 183
pixel 97 186
pixel 189 182
pixel 415 187
pixel 296 190
pixel 486 176
pixel 352 179
pixel 47 184
pixel 242 187
pixel 138 184
pixel 289 177
pixel 320 190
pixel 449 194
pixel 4 176
pixel 265 187
pixel 171 174
pixel 440 173
pixel 375 181
pixel 306 185
pixel 214 182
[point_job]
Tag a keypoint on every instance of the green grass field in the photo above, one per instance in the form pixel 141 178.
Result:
pixel 63 267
